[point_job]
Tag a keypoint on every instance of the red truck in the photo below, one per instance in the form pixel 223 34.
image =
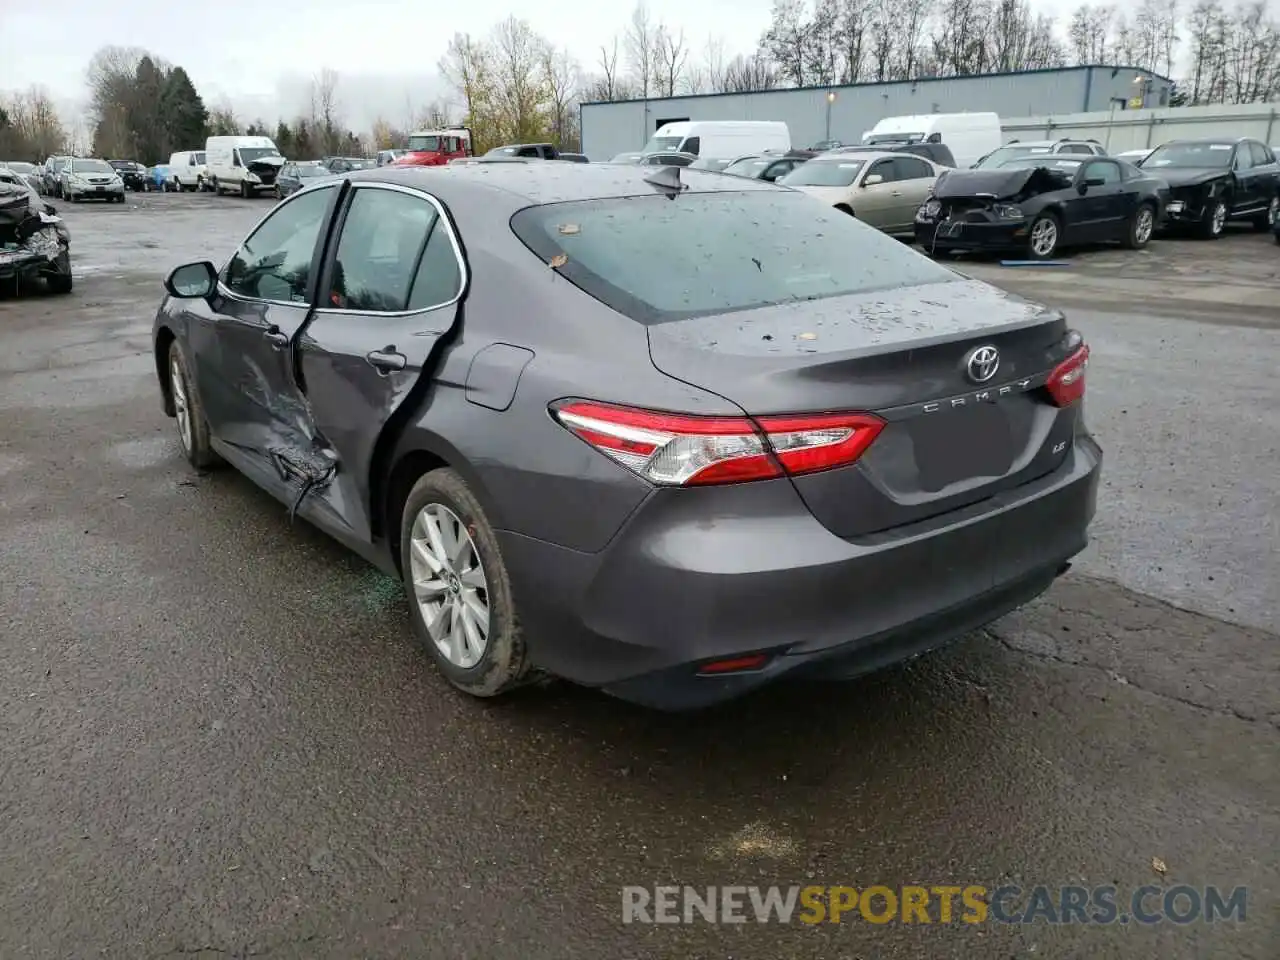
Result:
pixel 435 148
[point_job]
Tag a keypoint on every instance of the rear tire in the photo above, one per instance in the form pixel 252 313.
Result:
pixel 489 661
pixel 1141 226
pixel 1268 219
pixel 1214 221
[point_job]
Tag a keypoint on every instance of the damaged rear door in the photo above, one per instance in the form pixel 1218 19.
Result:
pixel 390 290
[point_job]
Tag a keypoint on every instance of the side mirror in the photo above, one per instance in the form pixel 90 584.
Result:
pixel 50 209
pixel 872 179
pixel 192 280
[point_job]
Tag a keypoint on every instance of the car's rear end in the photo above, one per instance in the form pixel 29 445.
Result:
pixel 906 459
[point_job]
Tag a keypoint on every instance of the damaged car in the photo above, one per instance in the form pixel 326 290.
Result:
pixel 1216 181
pixel 34 241
pixel 1039 207
pixel 658 431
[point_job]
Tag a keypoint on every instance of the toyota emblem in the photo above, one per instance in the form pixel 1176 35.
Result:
pixel 982 363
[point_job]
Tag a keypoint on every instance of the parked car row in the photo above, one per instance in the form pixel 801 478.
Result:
pixel 1034 197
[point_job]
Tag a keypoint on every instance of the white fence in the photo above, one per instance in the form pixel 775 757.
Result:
pixel 1136 129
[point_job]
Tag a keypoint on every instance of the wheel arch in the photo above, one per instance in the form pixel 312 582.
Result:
pixel 164 340
pixel 398 462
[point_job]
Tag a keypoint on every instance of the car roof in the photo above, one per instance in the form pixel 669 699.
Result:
pixel 519 185
pixel 1208 140
pixel 837 157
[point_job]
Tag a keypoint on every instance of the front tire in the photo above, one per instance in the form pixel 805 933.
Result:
pixel 1141 226
pixel 1043 237
pixel 1214 221
pixel 246 192
pixel 193 428
pixel 460 598
pixel 61 281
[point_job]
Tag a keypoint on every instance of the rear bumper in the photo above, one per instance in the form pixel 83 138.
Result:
pixel 706 574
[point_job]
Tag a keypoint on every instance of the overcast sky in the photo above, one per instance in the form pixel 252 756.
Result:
pixel 259 58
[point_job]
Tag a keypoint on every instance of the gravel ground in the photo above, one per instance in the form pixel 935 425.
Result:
pixel 219 740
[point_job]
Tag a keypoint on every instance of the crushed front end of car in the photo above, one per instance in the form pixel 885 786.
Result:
pixel 34 242
pixel 983 209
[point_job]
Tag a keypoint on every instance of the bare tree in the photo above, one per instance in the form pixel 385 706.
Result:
pixel 609 86
pixel 110 77
pixel 564 80
pixel 519 81
pixel 1089 33
pixel 670 56
pixel 640 37
pixel 467 66
pixel 746 74
pixel 883 36
pixel 324 109
pixel 713 65
pixel 851 24
pixel 787 41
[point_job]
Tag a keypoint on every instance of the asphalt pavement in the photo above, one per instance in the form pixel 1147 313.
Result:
pixel 217 738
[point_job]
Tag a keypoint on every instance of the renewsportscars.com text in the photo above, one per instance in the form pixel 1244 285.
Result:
pixel 971 904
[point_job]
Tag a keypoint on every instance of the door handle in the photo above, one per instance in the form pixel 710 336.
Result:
pixel 895 193
pixel 387 360
pixel 275 337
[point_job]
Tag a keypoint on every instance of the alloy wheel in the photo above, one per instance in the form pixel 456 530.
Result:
pixel 1044 237
pixel 449 585
pixel 1146 222
pixel 1219 218
pixel 181 408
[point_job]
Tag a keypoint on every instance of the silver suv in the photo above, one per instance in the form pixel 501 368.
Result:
pixel 1018 149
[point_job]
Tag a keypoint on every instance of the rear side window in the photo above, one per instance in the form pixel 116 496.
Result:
pixel 658 260
pixel 382 244
pixel 911 168
pixel 1261 155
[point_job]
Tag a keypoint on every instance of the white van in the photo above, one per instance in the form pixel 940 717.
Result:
pixel 969 136
pixel 187 171
pixel 721 139
pixel 249 165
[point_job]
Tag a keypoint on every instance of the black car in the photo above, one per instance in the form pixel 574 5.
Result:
pixel 574 158
pixel 346 164
pixel 530 151
pixel 1039 208
pixel 294 176
pixel 1215 181
pixel 939 153
pixel 133 174
pixel 34 241
pixel 641 491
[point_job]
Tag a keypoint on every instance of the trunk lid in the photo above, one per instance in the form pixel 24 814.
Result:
pixel 948 441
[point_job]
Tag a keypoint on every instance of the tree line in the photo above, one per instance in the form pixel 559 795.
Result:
pixel 514 85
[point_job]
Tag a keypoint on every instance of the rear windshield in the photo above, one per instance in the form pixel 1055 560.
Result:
pixel 658 260
pixel 824 173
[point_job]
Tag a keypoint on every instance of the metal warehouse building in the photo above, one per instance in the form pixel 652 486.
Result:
pixel 844 112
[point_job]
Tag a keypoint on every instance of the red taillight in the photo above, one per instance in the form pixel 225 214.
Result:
pixel 744 664
pixel 1066 382
pixel 674 449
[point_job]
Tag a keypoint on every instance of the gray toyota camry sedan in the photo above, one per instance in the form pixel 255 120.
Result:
pixel 665 433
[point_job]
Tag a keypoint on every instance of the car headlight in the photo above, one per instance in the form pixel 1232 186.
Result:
pixel 1008 211
pixel 930 208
